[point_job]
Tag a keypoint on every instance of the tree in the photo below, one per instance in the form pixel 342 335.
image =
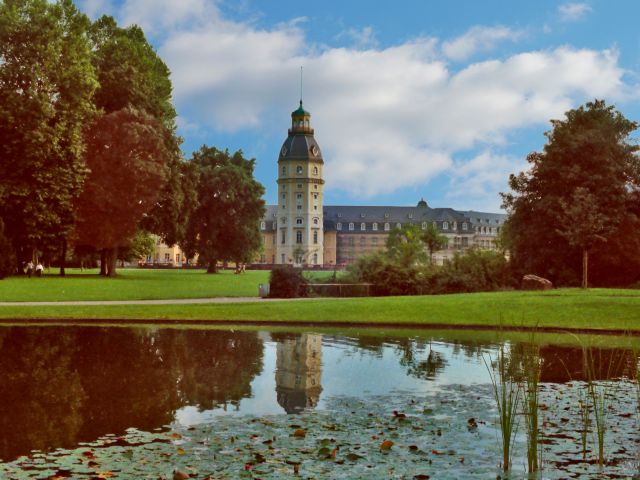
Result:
pixel 141 245
pixel 433 240
pixel 46 88
pixel 225 224
pixel 405 246
pixel 127 159
pixel 576 194
pixel 7 260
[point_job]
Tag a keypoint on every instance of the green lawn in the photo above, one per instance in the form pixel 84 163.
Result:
pixel 569 308
pixel 132 284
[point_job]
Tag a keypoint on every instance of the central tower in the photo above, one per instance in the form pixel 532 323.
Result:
pixel 300 191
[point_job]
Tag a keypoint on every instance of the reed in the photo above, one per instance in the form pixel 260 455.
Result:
pixel 585 421
pixel 531 405
pixel 506 391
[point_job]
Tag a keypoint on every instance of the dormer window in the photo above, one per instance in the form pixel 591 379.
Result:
pixel 386 215
pixel 263 225
pixel 362 215
pixel 398 225
pixel 455 225
pixel 351 226
pixel 363 227
pixel 424 225
pixel 445 225
pixel 338 226
pixel 386 227
pixel 374 227
pixel 411 215
pixel 464 226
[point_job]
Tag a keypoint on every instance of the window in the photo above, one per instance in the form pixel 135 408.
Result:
pixel 411 215
pixel 315 187
pixel 298 207
pixel 167 257
pixel 374 227
pixel 299 185
pixel 284 170
pixel 315 258
pixel 386 215
pixel 299 221
pixel 386 227
pixel 363 227
pixel 351 242
pixel 299 196
pixel 351 226
pixel 374 241
pixel 298 236
pixel 315 170
pixel 299 170
pixel 424 225
pixel 282 257
pixel 315 196
pixel 445 225
pixel 283 221
pixel 315 220
pixel 283 237
pixel 362 215
pixel 455 225
pixel 284 196
pixel 398 225
pixel 363 241
pixel 315 237
pixel 435 224
pixel 177 258
pixel 464 226
pixel 338 226
pixel 263 225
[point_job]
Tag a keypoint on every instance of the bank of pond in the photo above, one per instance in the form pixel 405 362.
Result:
pixel 149 402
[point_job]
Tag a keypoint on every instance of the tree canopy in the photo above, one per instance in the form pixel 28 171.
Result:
pixel 579 193
pixel 46 87
pixel 224 225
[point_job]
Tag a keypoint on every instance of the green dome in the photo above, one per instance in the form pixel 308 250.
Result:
pixel 300 111
pixel 422 203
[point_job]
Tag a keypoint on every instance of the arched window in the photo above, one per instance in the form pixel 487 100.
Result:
pixel 351 226
pixel 363 227
pixel 315 258
pixel 315 220
pixel 315 237
pixel 299 169
pixel 338 226
pixel 375 227
pixel 386 227
pixel 298 236
pixel 445 225
pixel 315 170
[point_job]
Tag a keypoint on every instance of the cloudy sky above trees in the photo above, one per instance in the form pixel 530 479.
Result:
pixel 409 99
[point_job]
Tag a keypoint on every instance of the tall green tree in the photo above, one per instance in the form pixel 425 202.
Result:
pixel 225 224
pixel 576 194
pixel 46 87
pixel 127 159
pixel 405 246
pixel 433 240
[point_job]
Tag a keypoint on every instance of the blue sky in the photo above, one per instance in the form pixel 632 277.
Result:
pixel 409 99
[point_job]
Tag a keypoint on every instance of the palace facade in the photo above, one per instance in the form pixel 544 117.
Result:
pixel 301 230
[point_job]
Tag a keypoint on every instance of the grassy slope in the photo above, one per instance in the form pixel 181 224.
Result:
pixel 132 284
pixel 597 308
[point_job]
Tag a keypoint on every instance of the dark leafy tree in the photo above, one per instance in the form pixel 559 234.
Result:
pixel 46 88
pixel 7 260
pixel 127 159
pixel 225 224
pixel 576 195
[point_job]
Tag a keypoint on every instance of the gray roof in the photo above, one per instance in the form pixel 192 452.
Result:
pixel 299 146
pixel 483 218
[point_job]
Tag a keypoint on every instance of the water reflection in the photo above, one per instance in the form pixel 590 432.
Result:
pixel 62 386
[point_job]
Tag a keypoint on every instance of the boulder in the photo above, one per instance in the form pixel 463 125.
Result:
pixel 534 282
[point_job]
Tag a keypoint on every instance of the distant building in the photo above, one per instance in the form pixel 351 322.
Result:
pixel 301 230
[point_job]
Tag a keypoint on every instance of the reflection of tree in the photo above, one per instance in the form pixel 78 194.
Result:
pixel 64 385
pixel 413 359
pixel 563 364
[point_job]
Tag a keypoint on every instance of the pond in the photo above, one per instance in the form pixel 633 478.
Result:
pixel 111 402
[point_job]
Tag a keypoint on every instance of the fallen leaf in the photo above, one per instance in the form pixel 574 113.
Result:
pixel 386 445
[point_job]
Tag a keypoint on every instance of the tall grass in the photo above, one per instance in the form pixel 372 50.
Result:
pixel 506 391
pixel 531 405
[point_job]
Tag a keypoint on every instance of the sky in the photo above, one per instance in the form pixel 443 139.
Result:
pixel 409 99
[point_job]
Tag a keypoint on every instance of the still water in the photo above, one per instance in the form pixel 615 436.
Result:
pixel 62 386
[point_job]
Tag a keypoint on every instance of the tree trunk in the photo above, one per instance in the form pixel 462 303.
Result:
pixel 103 262
pixel 585 268
pixel 112 261
pixel 213 267
pixel 63 257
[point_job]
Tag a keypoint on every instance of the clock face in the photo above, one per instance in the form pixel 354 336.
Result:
pixel 314 150
pixel 283 152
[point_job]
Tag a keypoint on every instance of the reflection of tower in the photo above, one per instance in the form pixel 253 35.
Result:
pixel 298 371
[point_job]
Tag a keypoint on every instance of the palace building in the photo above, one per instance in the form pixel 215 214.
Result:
pixel 301 230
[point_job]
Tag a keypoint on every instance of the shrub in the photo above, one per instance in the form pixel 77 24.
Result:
pixel 287 282
pixel 387 276
pixel 7 259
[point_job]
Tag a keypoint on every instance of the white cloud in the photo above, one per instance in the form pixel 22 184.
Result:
pixel 474 183
pixel 385 118
pixel 361 38
pixel 571 12
pixel 478 38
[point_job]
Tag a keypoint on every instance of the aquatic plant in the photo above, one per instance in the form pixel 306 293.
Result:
pixel 506 392
pixel 585 421
pixel 531 405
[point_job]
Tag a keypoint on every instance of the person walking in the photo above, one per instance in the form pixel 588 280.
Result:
pixel 29 268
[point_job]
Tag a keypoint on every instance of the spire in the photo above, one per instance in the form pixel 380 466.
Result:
pixel 300 86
